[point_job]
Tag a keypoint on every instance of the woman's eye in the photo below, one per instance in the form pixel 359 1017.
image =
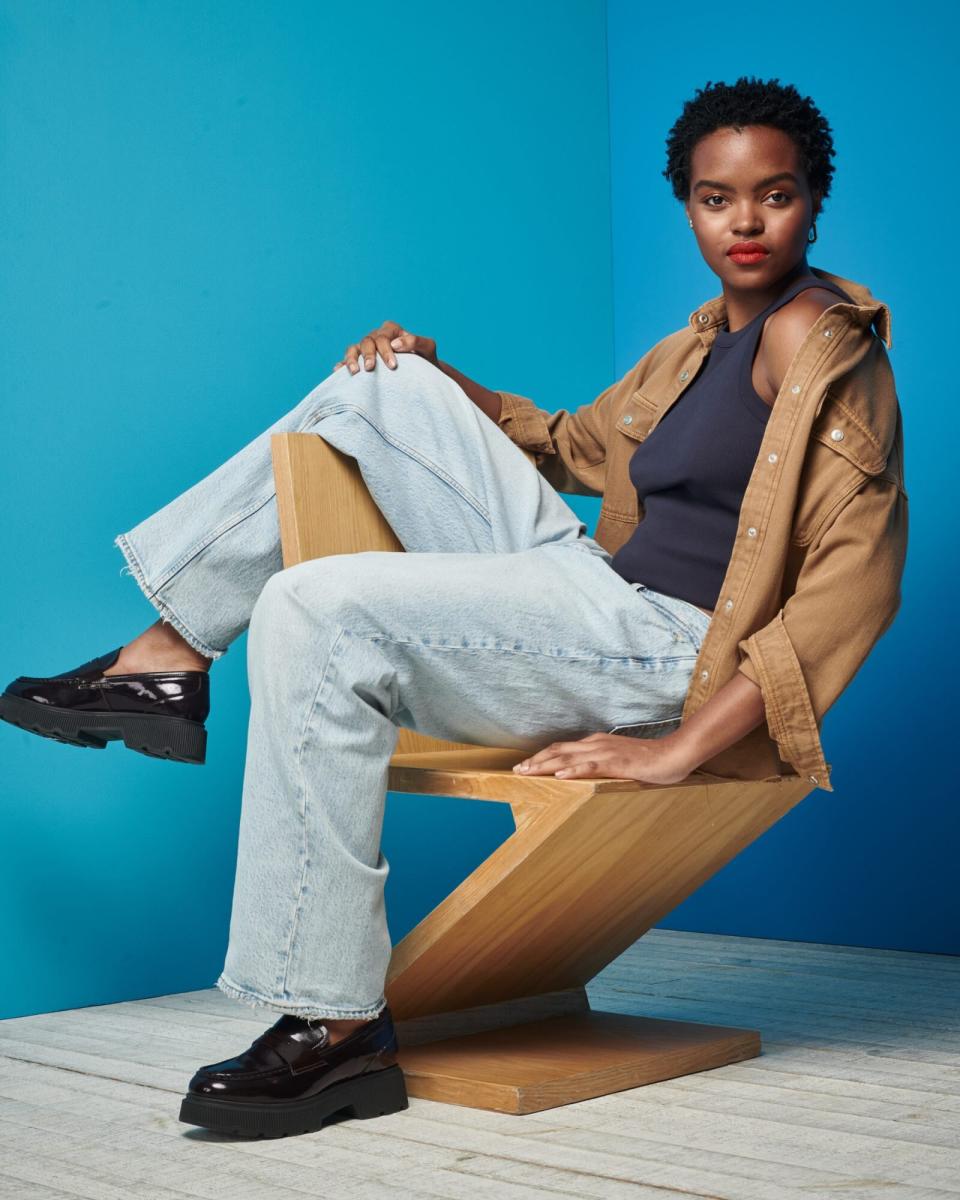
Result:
pixel 707 199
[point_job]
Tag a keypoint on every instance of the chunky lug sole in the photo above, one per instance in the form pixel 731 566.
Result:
pixel 173 738
pixel 374 1094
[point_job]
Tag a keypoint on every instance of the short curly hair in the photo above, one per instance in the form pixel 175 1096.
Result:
pixel 751 101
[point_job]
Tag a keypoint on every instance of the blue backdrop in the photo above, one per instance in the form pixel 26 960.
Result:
pixel 874 862
pixel 201 205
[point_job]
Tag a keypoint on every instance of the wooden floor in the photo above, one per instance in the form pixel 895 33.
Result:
pixel 857 1094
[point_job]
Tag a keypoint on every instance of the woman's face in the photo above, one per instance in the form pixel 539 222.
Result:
pixel 750 187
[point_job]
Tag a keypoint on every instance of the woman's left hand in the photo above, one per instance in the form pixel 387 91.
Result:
pixel 611 756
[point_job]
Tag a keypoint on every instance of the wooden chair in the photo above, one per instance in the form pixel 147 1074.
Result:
pixel 488 991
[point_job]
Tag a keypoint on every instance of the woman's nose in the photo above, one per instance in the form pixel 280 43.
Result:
pixel 747 222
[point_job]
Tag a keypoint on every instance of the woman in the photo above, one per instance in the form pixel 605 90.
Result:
pixel 763 441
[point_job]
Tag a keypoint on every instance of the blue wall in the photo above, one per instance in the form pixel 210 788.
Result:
pixel 201 205
pixel 874 862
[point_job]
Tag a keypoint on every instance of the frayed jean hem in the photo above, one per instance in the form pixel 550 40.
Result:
pixel 299 1010
pixel 166 612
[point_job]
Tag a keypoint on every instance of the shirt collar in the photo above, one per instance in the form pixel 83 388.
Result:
pixel 713 312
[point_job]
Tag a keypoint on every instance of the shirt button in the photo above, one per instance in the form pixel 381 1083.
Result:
pixel 814 779
pixel 628 420
pixel 728 605
pixel 837 435
pixel 795 388
pixel 828 333
pixel 684 374
pixel 771 458
pixel 704 674
pixel 703 318
pixel 751 532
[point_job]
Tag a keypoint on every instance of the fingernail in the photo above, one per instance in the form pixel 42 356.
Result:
pixel 393 362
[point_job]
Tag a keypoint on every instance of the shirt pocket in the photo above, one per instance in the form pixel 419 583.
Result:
pixel 638 415
pixel 842 453
pixel 837 427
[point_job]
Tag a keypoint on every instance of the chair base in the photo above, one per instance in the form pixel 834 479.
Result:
pixel 543 1064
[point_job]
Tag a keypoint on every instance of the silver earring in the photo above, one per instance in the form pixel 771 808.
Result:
pixel 811 240
pixel 689 222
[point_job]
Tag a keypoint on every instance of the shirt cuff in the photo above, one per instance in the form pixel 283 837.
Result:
pixel 775 668
pixel 524 423
pixel 747 668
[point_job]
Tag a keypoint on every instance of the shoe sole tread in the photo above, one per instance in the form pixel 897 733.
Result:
pixel 373 1094
pixel 176 739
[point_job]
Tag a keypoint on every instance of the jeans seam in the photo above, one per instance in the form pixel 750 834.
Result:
pixel 589 658
pixel 228 523
pixel 302 806
pixel 412 453
pixel 210 537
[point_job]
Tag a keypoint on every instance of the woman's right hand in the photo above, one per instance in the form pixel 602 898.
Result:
pixel 388 340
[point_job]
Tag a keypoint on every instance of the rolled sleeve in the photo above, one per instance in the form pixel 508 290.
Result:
pixel 524 423
pixel 847 595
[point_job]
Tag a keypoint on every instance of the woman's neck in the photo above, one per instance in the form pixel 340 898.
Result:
pixel 742 306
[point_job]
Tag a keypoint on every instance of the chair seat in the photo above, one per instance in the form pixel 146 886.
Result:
pixel 486 773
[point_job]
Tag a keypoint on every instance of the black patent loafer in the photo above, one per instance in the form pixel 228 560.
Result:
pixel 159 713
pixel 291 1079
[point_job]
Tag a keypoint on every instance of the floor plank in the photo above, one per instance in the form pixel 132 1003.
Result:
pixel 857 1092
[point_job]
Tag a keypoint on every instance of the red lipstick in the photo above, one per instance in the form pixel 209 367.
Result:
pixel 747 252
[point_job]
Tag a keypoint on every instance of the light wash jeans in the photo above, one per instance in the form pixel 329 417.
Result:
pixel 503 625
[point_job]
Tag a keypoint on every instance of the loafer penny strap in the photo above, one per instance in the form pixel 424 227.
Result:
pixel 299 1054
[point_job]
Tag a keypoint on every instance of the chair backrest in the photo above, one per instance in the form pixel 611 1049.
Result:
pixel 324 507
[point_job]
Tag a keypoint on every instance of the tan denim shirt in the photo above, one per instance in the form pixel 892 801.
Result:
pixel 814 577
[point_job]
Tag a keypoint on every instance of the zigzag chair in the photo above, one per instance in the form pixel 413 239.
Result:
pixel 488 991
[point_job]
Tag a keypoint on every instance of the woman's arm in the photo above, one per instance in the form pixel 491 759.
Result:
pixel 729 714
pixel 487 401
pixel 725 718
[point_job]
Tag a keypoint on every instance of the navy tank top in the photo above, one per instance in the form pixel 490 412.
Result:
pixel 692 470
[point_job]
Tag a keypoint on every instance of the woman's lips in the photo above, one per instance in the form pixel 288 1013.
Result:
pixel 747 252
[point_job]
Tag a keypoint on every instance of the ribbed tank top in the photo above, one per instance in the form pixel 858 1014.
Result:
pixel 692 470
